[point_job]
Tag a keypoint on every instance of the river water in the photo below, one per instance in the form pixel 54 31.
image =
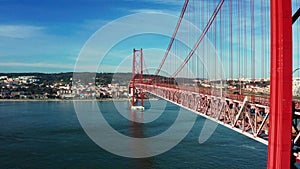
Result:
pixel 48 135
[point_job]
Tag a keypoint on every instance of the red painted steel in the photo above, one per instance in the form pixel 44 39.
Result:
pixel 132 84
pixel 279 152
pixel 141 75
pixel 233 111
pixel 268 120
pixel 137 76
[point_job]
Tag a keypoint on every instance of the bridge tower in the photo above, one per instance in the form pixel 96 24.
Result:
pixel 279 151
pixel 137 95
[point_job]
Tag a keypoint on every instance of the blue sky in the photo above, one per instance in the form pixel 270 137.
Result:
pixel 47 35
pixel 50 35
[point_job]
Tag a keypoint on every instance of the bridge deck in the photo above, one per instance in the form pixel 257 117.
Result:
pixel 244 114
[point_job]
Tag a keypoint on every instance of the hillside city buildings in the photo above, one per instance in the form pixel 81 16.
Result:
pixel 31 87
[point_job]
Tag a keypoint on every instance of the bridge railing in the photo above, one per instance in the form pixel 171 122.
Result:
pixel 246 114
pixel 233 111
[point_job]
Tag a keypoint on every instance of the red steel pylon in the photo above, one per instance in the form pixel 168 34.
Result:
pixel 137 77
pixel 279 151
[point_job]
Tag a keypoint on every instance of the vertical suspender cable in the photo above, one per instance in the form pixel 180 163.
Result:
pixel 196 45
pixel 203 45
pixel 207 46
pixel 298 44
pixel 297 55
pixel 215 51
pixel 245 40
pixel 173 36
pixel 268 48
pixel 262 39
pixel 221 41
pixel 239 41
pixel 230 43
pixel 252 41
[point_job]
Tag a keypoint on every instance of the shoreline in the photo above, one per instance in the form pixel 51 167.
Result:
pixel 61 100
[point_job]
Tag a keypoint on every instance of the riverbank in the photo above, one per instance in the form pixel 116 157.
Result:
pixel 41 100
pixel 54 100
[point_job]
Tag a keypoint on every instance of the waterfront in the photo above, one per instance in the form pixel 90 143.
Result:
pixel 48 135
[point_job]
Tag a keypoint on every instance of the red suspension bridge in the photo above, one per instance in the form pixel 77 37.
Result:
pixel 235 67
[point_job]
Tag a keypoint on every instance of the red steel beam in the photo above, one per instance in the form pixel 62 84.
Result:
pixel 173 36
pixel 137 73
pixel 141 75
pixel 133 77
pixel 279 151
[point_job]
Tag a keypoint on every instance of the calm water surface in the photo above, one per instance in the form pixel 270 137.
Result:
pixel 47 135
